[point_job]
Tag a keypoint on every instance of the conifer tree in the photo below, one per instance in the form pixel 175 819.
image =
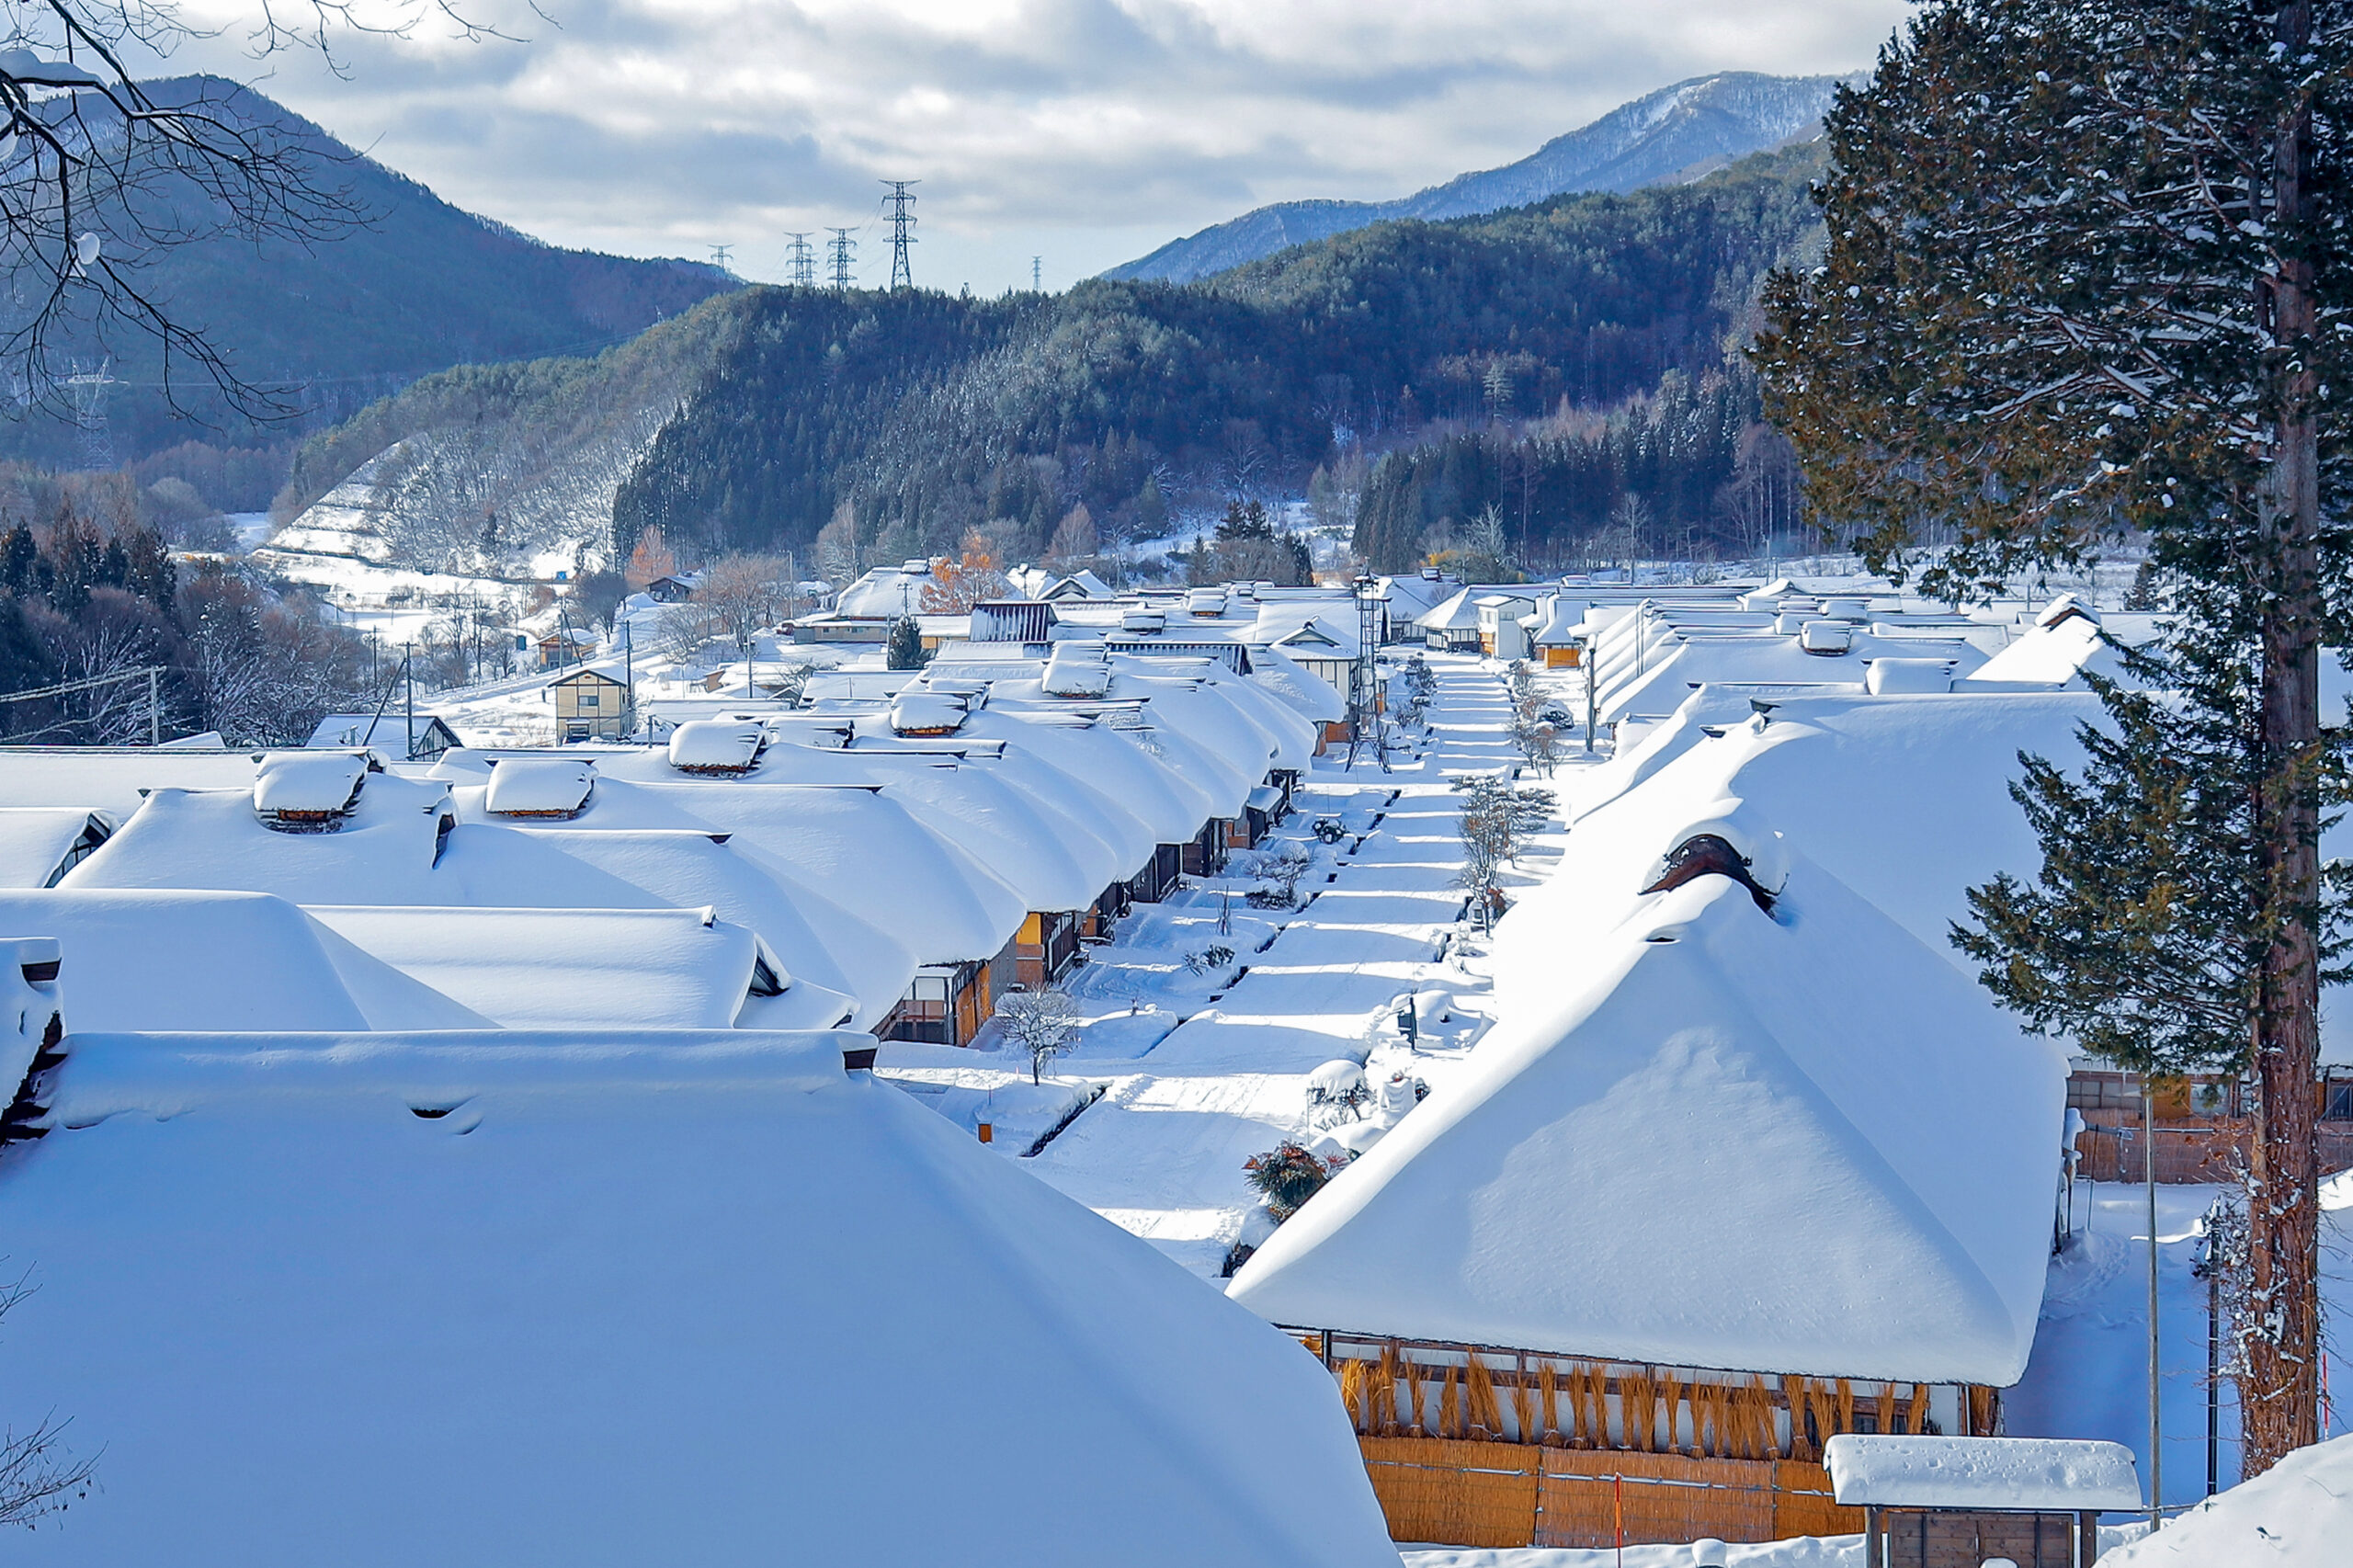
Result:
pixel 2087 269
pixel 905 650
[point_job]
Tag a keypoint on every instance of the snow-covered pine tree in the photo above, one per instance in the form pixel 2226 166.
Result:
pixel 905 649
pixel 2087 269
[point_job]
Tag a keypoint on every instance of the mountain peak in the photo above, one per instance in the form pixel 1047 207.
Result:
pixel 1677 133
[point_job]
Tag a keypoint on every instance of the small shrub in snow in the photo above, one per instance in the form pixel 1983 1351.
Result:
pixel 1279 870
pixel 1040 1023
pixel 1287 1176
pixel 1208 959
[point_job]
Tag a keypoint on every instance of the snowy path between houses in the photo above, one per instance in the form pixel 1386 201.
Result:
pixel 1199 1071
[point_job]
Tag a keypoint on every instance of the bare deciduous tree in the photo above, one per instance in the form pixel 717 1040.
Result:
pixel 101 177
pixel 1043 1023
pixel 38 1475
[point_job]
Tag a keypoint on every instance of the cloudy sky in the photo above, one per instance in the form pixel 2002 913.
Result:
pixel 1084 131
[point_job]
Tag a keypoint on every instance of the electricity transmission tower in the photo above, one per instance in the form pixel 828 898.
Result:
pixel 88 390
pixel 1036 264
pixel 803 262
pixel 841 247
pixel 718 256
pixel 901 219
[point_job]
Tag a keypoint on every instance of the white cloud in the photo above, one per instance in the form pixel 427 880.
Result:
pixel 1089 129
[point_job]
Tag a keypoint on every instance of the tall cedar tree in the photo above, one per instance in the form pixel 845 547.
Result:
pixel 2087 269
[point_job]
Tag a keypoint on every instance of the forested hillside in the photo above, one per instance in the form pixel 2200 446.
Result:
pixel 416 286
pixel 914 416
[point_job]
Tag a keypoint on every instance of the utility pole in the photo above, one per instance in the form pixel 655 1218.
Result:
pixel 718 256
pixel 1036 265
pixel 408 668
pixel 803 261
pixel 902 220
pixel 841 247
pixel 2156 1380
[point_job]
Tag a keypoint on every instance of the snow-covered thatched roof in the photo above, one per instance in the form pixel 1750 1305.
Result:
pixel 1706 1135
pixel 606 1299
pixel 2065 641
pixel 173 958
pixel 582 967
pixel 38 842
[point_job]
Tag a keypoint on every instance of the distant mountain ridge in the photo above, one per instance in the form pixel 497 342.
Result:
pixel 422 286
pixel 1674 135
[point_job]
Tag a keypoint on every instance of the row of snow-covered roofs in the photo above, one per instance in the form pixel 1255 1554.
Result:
pixel 893 863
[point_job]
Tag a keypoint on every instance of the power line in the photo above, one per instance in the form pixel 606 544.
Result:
pixel 901 219
pixel 803 262
pixel 842 247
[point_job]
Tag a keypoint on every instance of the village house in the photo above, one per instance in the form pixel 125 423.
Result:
pixel 1688 1234
pixel 591 705
pixel 428 735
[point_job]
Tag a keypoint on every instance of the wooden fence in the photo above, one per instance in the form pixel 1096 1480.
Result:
pixel 1456 1493
pixel 1474 1446
pixel 2211 1150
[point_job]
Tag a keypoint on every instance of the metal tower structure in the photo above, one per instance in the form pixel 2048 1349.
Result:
pixel 1036 265
pixel 718 256
pixel 901 219
pixel 840 249
pixel 803 260
pixel 1364 688
pixel 87 388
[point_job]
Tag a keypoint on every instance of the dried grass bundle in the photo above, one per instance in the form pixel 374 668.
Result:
pixel 1485 1416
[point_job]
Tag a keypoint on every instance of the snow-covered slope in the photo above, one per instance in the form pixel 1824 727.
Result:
pixel 625 1300
pixel 1677 132
pixel 2298 1514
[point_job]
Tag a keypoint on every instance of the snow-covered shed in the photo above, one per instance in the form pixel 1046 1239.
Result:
pixel 1687 1177
pixel 622 1297
pixel 1944 1502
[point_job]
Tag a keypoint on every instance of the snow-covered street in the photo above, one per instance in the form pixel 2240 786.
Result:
pixel 1161 1151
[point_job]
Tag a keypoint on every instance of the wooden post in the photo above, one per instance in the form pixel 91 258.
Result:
pixel 2087 1539
pixel 1875 1550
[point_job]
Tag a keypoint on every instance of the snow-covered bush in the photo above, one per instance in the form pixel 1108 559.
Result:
pixel 1208 959
pixel 1287 1176
pixel 1279 871
pixel 1040 1023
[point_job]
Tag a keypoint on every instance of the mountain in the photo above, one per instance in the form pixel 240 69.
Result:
pixel 417 286
pixel 1674 135
pixel 909 417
